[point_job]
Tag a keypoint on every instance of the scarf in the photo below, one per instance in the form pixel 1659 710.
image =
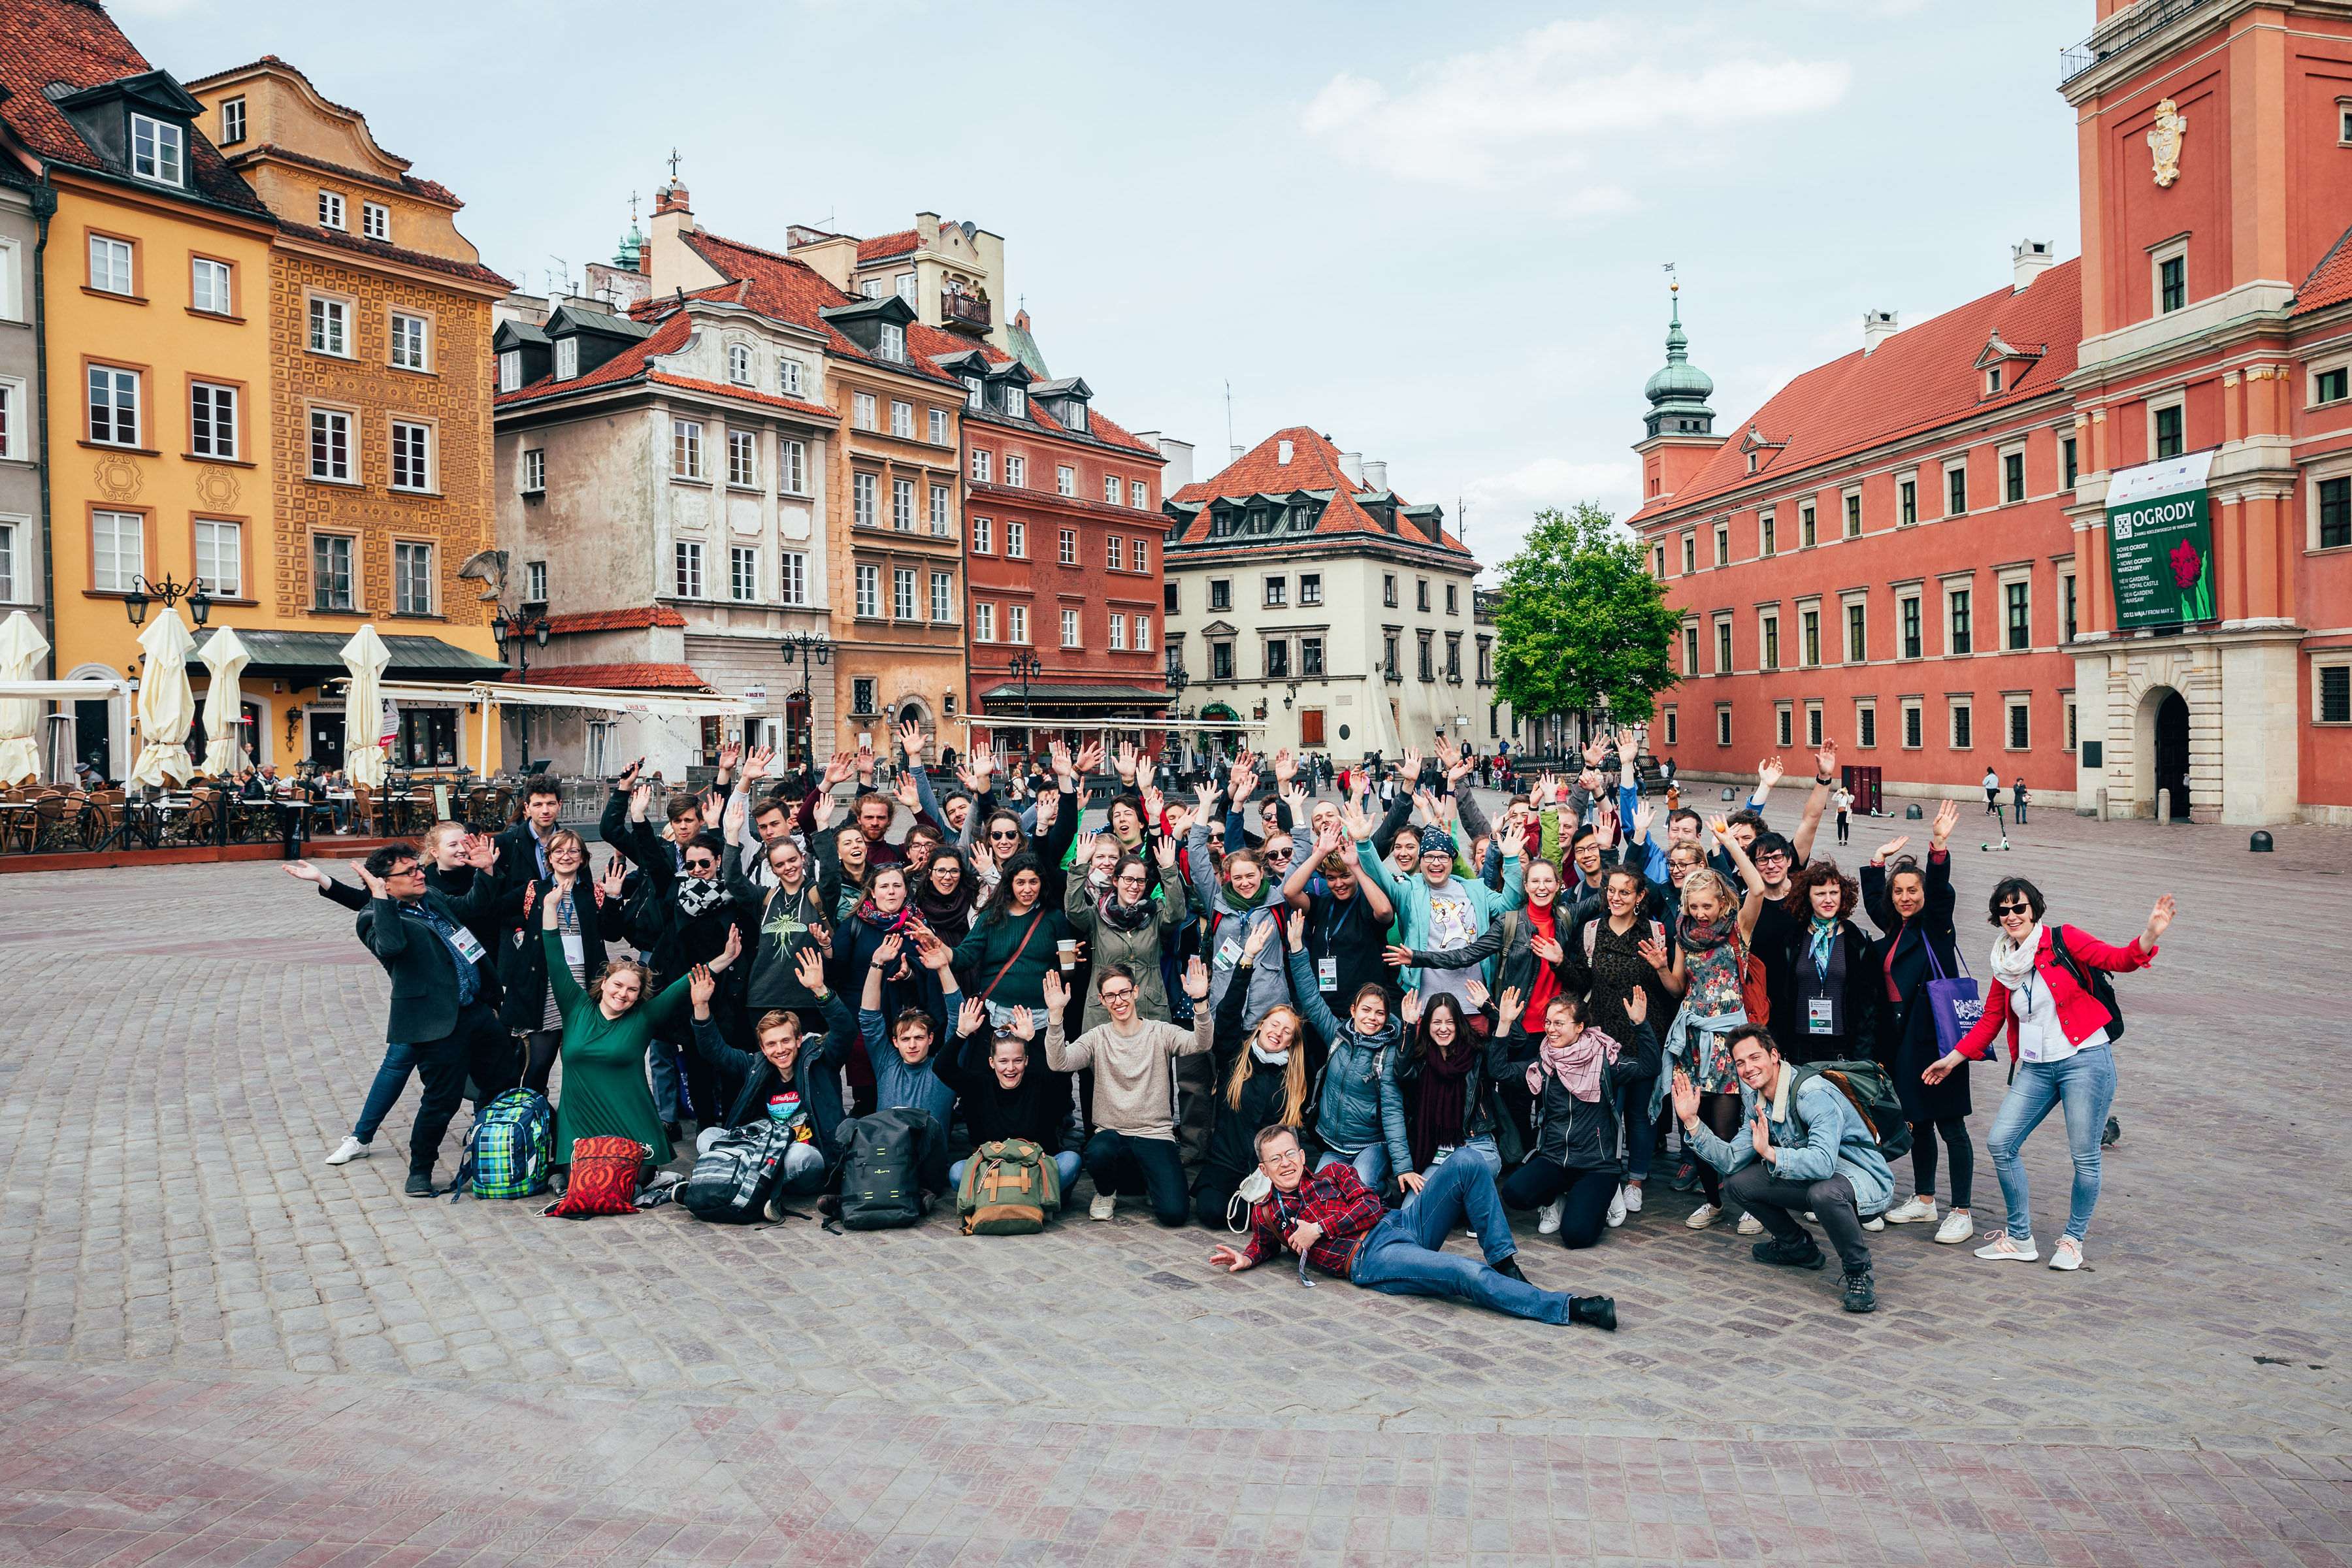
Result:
pixel 697 897
pixel 1120 916
pixel 1437 1108
pixel 947 912
pixel 1271 1058
pixel 1576 1064
pixel 1235 903
pixel 1825 935
pixel 1709 934
pixel 885 923
pixel 2012 963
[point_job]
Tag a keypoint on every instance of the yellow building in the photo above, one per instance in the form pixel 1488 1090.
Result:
pixel 379 436
pixel 154 287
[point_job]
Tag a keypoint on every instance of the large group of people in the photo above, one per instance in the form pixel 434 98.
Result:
pixel 1333 1029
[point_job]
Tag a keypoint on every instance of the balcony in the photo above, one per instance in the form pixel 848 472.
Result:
pixel 965 313
pixel 2124 28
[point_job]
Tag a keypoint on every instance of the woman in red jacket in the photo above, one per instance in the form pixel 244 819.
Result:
pixel 2058 1040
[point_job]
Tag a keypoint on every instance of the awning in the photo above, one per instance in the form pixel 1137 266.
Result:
pixel 86 687
pixel 1092 696
pixel 654 704
pixel 307 658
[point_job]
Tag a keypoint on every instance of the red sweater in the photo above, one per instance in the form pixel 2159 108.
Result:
pixel 2079 1013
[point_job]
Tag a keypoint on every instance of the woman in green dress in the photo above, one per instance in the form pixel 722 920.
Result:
pixel 605 1032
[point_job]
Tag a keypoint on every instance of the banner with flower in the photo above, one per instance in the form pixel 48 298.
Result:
pixel 2160 542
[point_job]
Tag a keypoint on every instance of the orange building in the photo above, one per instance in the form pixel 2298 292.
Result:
pixel 2094 531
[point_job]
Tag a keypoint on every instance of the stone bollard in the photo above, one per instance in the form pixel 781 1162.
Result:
pixel 2163 807
pixel 1912 813
pixel 2260 843
pixel 1731 795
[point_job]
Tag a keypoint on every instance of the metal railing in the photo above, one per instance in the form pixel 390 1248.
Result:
pixel 969 309
pixel 2123 31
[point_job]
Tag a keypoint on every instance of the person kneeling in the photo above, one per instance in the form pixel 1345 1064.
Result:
pixel 1335 1223
pixel 1575 1081
pixel 793 1080
pixel 1806 1147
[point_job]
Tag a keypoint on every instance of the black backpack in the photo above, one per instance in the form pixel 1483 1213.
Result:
pixel 734 1177
pixel 881 1155
pixel 1871 1091
pixel 2094 982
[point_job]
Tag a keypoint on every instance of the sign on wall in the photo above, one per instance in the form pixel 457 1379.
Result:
pixel 2160 542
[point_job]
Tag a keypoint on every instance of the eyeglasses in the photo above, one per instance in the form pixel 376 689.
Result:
pixel 1120 994
pixel 2016 908
pixel 411 869
pixel 1286 1156
pixel 1278 853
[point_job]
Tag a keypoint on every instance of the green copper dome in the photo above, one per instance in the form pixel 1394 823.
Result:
pixel 1678 392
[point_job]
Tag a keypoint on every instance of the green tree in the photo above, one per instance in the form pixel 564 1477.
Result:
pixel 1581 622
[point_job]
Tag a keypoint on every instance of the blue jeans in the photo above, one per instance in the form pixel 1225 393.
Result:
pixel 1481 1149
pixel 1641 1132
pixel 1066 1162
pixel 2084 1083
pixel 1371 1163
pixel 442 1065
pixel 1401 1255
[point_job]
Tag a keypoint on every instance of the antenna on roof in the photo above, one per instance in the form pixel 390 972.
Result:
pixel 1229 415
pixel 562 270
pixel 632 209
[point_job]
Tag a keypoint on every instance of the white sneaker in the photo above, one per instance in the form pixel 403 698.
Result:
pixel 2007 1249
pixel 1547 1216
pixel 348 1150
pixel 1956 1227
pixel 1704 1215
pixel 2067 1254
pixel 1633 1196
pixel 1102 1206
pixel 1617 1209
pixel 1913 1212
pixel 1751 1225
pixel 1876 1222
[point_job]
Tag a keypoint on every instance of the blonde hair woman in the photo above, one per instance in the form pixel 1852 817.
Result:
pixel 1264 1072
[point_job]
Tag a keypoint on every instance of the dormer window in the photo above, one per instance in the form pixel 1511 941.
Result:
pixel 158 151
pixel 971 391
pixel 567 358
pixel 1992 380
pixel 1016 401
pixel 891 344
pixel 376 221
pixel 330 210
pixel 738 365
pixel 511 370
pixel 1074 415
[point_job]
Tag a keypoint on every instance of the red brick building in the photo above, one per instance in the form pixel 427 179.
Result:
pixel 1939 550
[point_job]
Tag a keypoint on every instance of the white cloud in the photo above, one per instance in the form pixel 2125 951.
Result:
pixel 1544 104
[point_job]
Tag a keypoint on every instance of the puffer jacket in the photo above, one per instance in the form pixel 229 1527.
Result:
pixel 1820 1134
pixel 1270 984
pixel 1358 1104
pixel 1577 1134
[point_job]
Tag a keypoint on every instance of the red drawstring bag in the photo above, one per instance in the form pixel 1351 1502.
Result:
pixel 603 1178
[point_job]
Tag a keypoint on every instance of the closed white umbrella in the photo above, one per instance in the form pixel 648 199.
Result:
pixel 21 647
pixel 225 655
pixel 364 655
pixel 167 705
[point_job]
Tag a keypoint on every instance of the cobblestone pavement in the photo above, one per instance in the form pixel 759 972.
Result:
pixel 214 1348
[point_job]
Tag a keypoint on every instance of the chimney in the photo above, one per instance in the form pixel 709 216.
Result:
pixel 1282 454
pixel 1876 327
pixel 927 231
pixel 2030 258
pixel 1233 454
pixel 1375 475
pixel 1178 473
pixel 1351 464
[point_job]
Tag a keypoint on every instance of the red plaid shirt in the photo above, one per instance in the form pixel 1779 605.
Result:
pixel 1336 1199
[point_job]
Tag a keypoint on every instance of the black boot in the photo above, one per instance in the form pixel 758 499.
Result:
pixel 1509 1268
pixel 1804 1253
pixel 1861 1295
pixel 420 1183
pixel 1599 1311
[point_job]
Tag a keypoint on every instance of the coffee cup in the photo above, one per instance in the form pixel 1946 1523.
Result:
pixel 1069 952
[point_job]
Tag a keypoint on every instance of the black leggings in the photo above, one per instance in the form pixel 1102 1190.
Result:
pixel 1955 1133
pixel 1721 1115
pixel 546 1045
pixel 1586 1194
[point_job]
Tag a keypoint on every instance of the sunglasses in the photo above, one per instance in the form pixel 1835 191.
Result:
pixel 2014 909
pixel 1005 833
pixel 696 864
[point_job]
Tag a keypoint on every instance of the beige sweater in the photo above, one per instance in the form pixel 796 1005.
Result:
pixel 1135 1078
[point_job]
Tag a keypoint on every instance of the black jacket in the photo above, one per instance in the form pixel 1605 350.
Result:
pixel 1906 1035
pixel 1232 1153
pixel 456 886
pixel 816 1073
pixel 1577 1135
pixel 422 969
pixel 1037 1108
pixel 523 957
pixel 1789 971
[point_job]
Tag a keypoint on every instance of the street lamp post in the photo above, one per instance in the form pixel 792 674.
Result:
pixel 1025 668
pixel 523 630
pixel 807 650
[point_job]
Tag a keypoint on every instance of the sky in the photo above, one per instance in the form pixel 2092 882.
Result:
pixel 1436 233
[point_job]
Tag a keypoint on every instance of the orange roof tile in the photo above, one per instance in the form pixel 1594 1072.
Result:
pixel 614 620
pixel 627 365
pixel 361 245
pixel 2330 282
pixel 408 184
pixel 749 395
pixel 897 244
pixel 1314 466
pixel 620 677
pixel 1919 380
pixel 792 291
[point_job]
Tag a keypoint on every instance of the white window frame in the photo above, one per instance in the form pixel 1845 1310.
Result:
pixel 212 441
pixel 511 370
pixel 1945 588
pixel 862 410
pixel 1073 629
pixel 375 222
pixel 1850 502
pixel 1727 644
pixel 788 376
pixel 124 576
pixel 417 434
pixel 1817 729
pixel 743 574
pixel 1846 603
pixel 1117 643
pixel 864 499
pixel 1016 470
pixel 534 583
pixel 1142 634
pixel 1114 552
pixel 232 121
pixel 936 425
pixel 792 468
pixel 405 578
pixel 1768 639
pixel 902 505
pixel 1866 740
pixel 1908 479
pixel 1953 708
pixel 1768 533
pixel 567 358
pixel 329 329
pixel 103 279
pixel 14 442
pixel 326 423
pixel 332 210
pixel 167 165
pixel 1016 624
pixel 322 545
pixel 743 458
pixel 2012 703
pixel 2328 659
pixel 1016 539
pixel 1807 655
pixel 984 622
pixel 792 576
pixel 686 580
pixel 942 598
pixel 983 466
pixel 1016 401
pixel 902 419
pixel 890 343
pixel 685 450
pixel 1066 548
pixel 1945 470
pixel 868 578
pixel 221 277
pixel 1723 724
pixel 1784 724
pixel 983 536
pixel 1138 494
pixel 942 518
pixel 742 370
pixel 411 341
pixel 2005 578
pixel 1913 718
pixel 220 585
pixel 2176 247
pixel 1111 491
pixel 904 605
pixel 2332 467
pixel 2001 455
pixel 2166 402
pixel 534 470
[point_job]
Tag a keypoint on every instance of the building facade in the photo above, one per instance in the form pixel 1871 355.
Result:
pixel 374 488
pixel 1303 592
pixel 1930 551
pixel 23 567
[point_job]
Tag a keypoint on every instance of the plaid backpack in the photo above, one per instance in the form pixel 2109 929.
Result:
pixel 508 1152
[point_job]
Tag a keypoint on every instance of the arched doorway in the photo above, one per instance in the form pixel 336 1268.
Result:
pixel 2170 748
pixel 1227 741
pixel 796 730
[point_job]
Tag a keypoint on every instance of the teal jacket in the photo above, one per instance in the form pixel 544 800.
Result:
pixel 1411 897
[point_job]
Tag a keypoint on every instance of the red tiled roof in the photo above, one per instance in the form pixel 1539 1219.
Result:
pixel 42 41
pixel 2330 282
pixel 621 677
pixel 1314 466
pixel 897 244
pixel 1921 378
pixel 470 272
pixel 409 185
pixel 792 291
pixel 749 395
pixel 937 343
pixel 614 620
pixel 627 365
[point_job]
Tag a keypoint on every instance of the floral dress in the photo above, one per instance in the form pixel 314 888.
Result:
pixel 1713 992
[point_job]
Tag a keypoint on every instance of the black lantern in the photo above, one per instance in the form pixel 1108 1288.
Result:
pixel 200 603
pixel 135 602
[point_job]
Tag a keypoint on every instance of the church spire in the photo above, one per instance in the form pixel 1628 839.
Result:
pixel 1678 392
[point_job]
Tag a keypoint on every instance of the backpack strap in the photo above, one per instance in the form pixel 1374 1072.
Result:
pixel 1017 953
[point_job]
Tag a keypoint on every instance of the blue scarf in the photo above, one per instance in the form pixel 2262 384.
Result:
pixel 1824 934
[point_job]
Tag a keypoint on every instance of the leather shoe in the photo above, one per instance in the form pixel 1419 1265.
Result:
pixel 1509 1268
pixel 1599 1311
pixel 420 1184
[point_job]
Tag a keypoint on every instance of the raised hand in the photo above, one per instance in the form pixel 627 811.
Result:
pixel 1948 818
pixel 1207 791
pixel 888 952
pixel 1767 774
pixel 756 766
pixel 1508 1008
pixel 1154 805
pixel 1412 763
pixel 936 954
pixel 1294 798
pixel 1082 849
pixel 1513 841
pixel 984 763
pixel 1125 761
pixel 1356 821
pixel 730 754
pixel 1396 955
pixel 1244 782
pixel 1023 1023
pixel 1296 934
pixel 838 767
pixel 1412 1008
pixel 1890 849
pixel 910 741
pixel 703 986
pixel 1049 806
pixel 2159 919
pixel 616 872
pixel 640 798
pixel 1637 1004
pixel 1144 768
pixel 983 862
pixel 1089 759
pixel 1163 849
pixel 1196 980
pixel 908 796
pixel 303 872
pixel 1686 1097
pixel 970 1017
pixel 1826 761
pixel 822 812
pixel 1326 843
pixel 1654 951
pixel 1057 994
pixel 1475 992
pixel 808 968
pixel 1285 766
pixel 1642 817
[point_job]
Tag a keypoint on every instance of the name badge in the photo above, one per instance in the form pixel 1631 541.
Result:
pixel 1228 955
pixel 1326 973
pixel 1818 1016
pixel 468 945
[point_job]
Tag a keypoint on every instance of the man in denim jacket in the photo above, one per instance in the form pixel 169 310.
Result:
pixel 1805 1148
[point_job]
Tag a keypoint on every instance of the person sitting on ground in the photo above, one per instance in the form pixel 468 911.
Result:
pixel 1135 1088
pixel 1336 1224
pixel 606 1030
pixel 1359 1115
pixel 903 1056
pixel 1805 1148
pixel 1576 1082
pixel 1451 1111
pixel 1266 1083
pixel 1007 1092
pixel 793 1080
